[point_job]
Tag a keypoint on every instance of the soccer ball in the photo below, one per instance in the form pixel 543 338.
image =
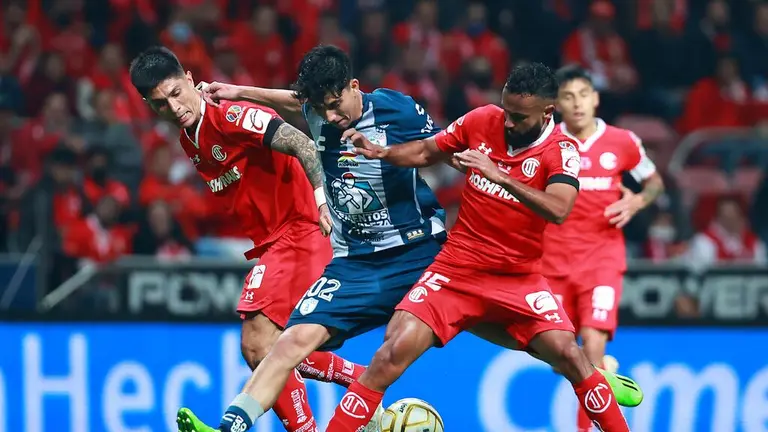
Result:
pixel 411 415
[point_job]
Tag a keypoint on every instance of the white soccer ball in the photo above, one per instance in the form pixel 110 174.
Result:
pixel 411 415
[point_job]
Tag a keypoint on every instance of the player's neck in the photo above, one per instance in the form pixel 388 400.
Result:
pixel 584 133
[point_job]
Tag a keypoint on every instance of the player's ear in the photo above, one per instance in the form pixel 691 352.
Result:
pixel 596 96
pixel 354 84
pixel 188 75
pixel 549 111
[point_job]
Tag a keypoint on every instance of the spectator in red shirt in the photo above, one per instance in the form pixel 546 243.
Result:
pixel 189 207
pixel 261 48
pixel 98 238
pixel 421 30
pixel 50 77
pixel 721 100
pixel 375 44
pixel 597 47
pixel 180 37
pixel 410 77
pixel 111 74
pixel 227 65
pixel 98 183
pixel 476 39
pixel 161 235
pixel 19 40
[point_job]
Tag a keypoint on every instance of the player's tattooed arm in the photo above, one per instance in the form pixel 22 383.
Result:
pixel 653 187
pixel 291 141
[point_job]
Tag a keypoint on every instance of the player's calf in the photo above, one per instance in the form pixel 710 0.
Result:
pixel 406 339
pixel 593 343
pixel 257 336
pixel 591 387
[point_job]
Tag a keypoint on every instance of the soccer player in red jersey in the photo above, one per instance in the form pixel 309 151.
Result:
pixel 585 258
pixel 264 172
pixel 522 174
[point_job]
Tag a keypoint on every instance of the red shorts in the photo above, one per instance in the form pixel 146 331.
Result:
pixel 591 298
pixel 284 273
pixel 452 299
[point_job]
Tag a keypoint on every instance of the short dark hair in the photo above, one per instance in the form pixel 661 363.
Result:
pixel 569 73
pixel 324 69
pixel 532 79
pixel 153 66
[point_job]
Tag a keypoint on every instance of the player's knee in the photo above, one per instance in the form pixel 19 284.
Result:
pixel 406 339
pixel 256 339
pixel 296 343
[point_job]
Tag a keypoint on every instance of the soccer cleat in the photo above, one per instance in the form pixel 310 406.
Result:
pixel 626 390
pixel 187 421
pixel 375 424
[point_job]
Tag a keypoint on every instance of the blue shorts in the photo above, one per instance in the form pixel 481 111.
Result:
pixel 359 293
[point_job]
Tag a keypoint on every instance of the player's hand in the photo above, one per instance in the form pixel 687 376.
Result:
pixel 481 162
pixel 363 146
pixel 326 226
pixel 215 92
pixel 622 211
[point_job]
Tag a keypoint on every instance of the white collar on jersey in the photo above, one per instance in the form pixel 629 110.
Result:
pixel 543 137
pixel 586 145
pixel 196 141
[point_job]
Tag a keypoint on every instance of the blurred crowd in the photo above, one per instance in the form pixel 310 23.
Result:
pixel 85 168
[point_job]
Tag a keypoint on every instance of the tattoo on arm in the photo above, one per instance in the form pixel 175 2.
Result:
pixel 291 141
pixel 652 188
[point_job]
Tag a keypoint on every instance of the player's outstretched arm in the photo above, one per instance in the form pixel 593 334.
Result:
pixel 282 101
pixel 553 204
pixel 418 153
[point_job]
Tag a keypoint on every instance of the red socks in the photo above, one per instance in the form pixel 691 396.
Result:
pixel 328 367
pixel 292 406
pixel 599 404
pixel 355 409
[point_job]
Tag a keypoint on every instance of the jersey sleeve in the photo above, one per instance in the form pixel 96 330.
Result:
pixel 455 138
pixel 413 121
pixel 250 125
pixel 639 165
pixel 563 164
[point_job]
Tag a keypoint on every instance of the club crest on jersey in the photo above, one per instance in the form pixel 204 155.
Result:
pixel 218 153
pixel 233 113
pixel 608 160
pixel 347 159
pixel 530 166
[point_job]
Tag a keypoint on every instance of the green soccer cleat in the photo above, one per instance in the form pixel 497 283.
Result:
pixel 188 422
pixel 626 390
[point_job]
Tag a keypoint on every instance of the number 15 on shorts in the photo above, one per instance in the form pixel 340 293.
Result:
pixel 322 289
pixel 431 280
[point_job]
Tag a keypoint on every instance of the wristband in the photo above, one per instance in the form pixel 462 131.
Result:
pixel 320 196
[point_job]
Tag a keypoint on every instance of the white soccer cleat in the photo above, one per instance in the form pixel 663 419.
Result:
pixel 610 363
pixel 375 424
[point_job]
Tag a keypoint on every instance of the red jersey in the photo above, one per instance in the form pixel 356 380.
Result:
pixel 494 231
pixel 587 238
pixel 264 191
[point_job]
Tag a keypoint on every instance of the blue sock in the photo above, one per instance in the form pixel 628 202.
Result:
pixel 241 414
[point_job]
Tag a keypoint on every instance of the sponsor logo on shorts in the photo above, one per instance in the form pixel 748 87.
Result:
pixel 555 318
pixel 541 302
pixel 354 406
pixel 598 399
pixel 257 276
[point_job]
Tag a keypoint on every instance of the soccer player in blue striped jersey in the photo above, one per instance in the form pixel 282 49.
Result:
pixel 387 224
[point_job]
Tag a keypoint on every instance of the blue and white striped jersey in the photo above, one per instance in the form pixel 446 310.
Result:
pixel 374 205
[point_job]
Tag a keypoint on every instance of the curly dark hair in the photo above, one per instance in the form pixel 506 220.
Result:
pixel 532 79
pixel 569 73
pixel 324 69
pixel 153 66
